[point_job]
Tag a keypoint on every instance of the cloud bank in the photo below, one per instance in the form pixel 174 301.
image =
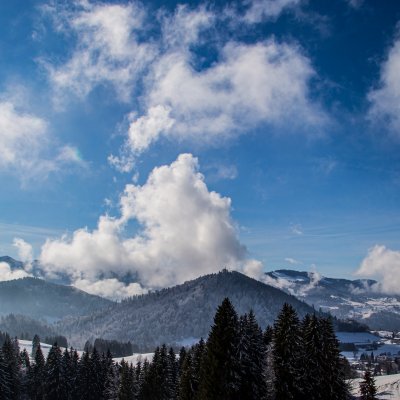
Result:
pixel 186 231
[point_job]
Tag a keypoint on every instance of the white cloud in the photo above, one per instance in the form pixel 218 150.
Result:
pixel 263 83
pixel 21 136
pixel 185 26
pixel 108 50
pixel 383 264
pixel 111 288
pixel 186 231
pixel 385 100
pixel 25 252
pixel 6 274
pixel 292 261
pixel 267 9
pixel 25 142
pixel 221 171
pixel 247 85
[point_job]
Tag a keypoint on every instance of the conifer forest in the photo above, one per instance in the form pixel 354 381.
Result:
pixel 292 359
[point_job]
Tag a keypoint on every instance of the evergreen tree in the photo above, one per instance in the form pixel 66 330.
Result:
pixel 268 335
pixel 111 383
pixel 98 375
pixel 334 384
pixel 220 366
pixel 172 375
pixel 186 390
pixel 53 375
pixel 35 345
pixel 367 386
pixel 24 373
pixel 198 352
pixel 252 359
pixel 5 381
pixel 37 376
pixel 314 358
pixel 287 356
pixel 126 382
pixel 10 352
pixel 181 359
pixel 87 383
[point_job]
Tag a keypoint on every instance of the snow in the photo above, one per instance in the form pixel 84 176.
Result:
pixel 388 386
pixel 27 345
pixel 135 358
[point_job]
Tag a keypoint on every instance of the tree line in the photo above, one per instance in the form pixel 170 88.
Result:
pixel 293 359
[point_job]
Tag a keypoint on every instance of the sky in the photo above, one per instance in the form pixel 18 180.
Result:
pixel 143 144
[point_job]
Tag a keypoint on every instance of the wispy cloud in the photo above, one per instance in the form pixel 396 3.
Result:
pixel 385 98
pixel 27 148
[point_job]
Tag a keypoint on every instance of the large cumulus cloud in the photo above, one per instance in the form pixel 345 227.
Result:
pixel 186 231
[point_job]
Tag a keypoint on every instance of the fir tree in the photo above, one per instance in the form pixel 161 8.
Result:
pixel 10 352
pixel 87 383
pixel 367 386
pixel 24 373
pixel 198 352
pixel 287 356
pixel 5 381
pixel 126 382
pixel 220 366
pixel 186 390
pixel 53 375
pixel 332 373
pixel 111 383
pixel 314 358
pixel 35 345
pixel 37 376
pixel 98 375
pixel 172 375
pixel 252 359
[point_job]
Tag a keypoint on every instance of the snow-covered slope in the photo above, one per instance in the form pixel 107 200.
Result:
pixel 358 299
pixel 388 387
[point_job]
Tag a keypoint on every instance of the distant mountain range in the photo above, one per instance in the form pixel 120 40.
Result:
pixel 185 312
pixel 356 299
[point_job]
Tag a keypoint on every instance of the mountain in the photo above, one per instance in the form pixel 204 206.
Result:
pixel 14 264
pixel 181 313
pixel 37 298
pixel 356 299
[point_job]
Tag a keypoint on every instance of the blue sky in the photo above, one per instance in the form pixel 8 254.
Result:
pixel 163 140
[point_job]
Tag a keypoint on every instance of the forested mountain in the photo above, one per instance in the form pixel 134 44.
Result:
pixel 357 299
pixel 37 298
pixel 180 313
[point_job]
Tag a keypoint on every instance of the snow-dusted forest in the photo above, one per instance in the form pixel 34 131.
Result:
pixel 293 359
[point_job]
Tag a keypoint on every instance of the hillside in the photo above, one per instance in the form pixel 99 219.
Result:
pixel 180 313
pixel 343 298
pixel 37 298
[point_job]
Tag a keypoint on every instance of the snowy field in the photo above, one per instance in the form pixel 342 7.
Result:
pixel 388 387
pixel 134 358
